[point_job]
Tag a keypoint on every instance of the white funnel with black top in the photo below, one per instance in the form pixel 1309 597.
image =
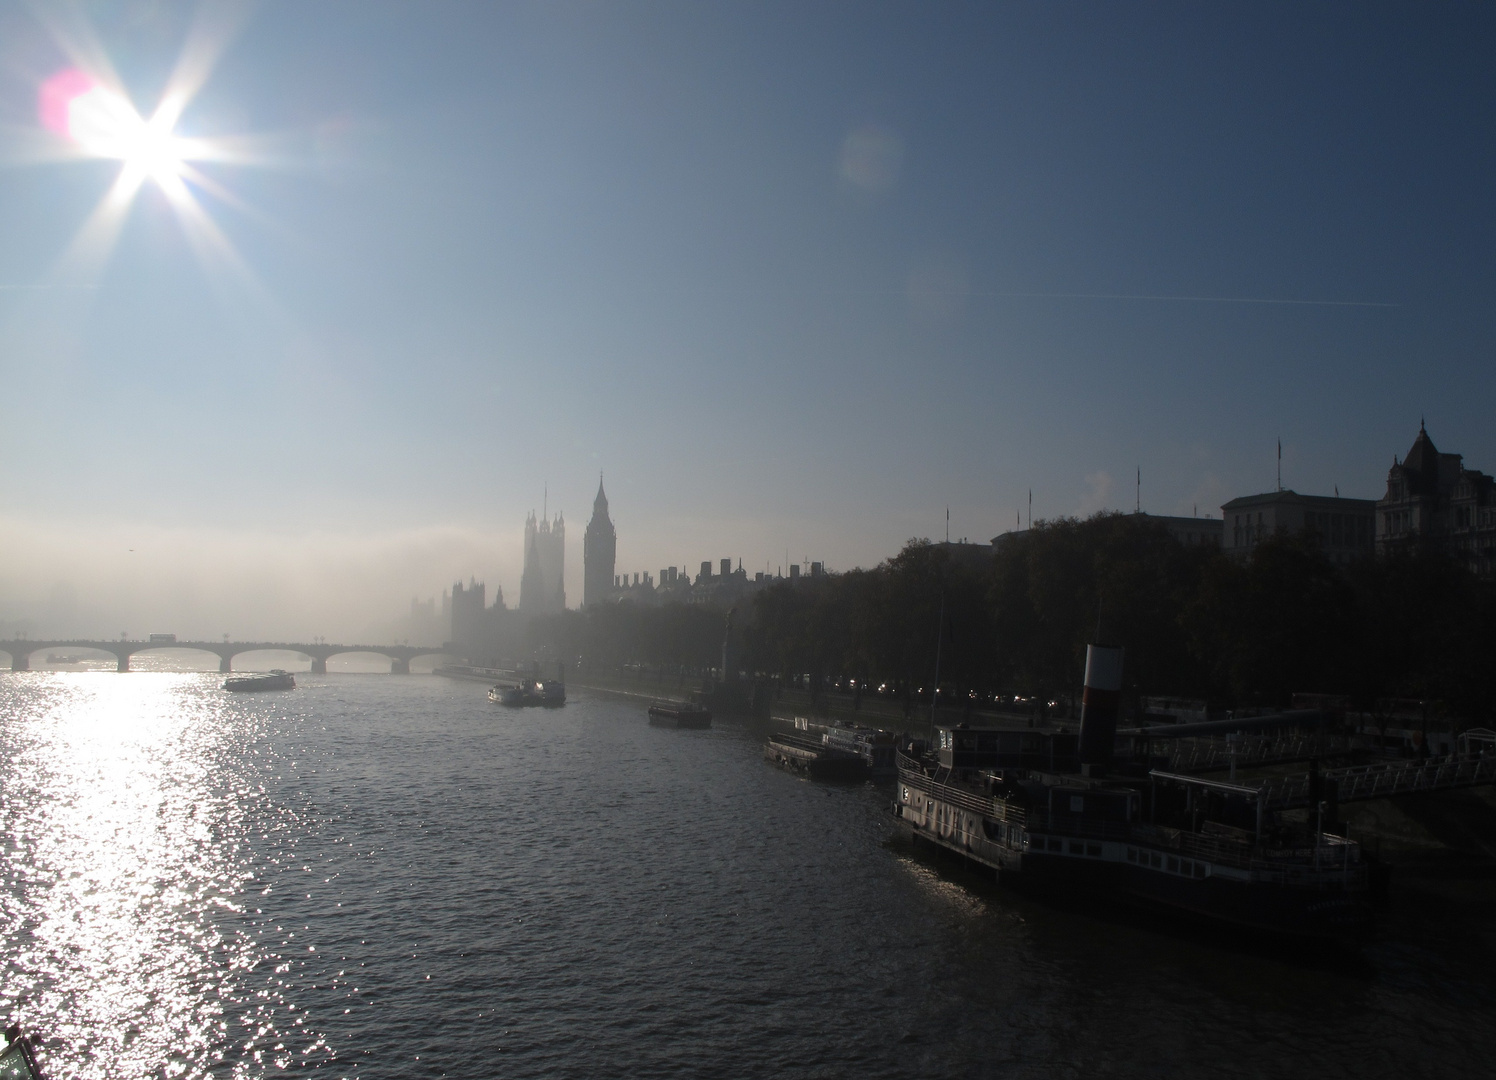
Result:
pixel 1099 704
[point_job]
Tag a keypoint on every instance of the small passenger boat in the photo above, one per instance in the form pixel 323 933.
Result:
pixel 548 694
pixel 679 714
pixel 513 695
pixel 270 680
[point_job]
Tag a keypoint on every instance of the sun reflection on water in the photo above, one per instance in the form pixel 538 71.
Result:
pixel 121 813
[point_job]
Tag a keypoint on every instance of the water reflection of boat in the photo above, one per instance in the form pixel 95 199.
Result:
pixel 272 680
pixel 679 714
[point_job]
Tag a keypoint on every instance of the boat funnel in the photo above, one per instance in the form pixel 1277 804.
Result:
pixel 1099 705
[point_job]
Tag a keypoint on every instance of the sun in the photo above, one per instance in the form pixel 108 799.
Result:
pixel 89 116
pixel 102 123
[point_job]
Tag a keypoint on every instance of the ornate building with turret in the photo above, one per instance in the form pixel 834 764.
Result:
pixel 1433 501
pixel 599 552
pixel 542 588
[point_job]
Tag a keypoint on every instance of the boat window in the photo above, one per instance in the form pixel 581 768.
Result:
pixel 1154 860
pixel 1132 854
pixel 1077 804
pixel 1173 865
pixel 1056 845
pixel 1199 869
pixel 1093 850
pixel 1077 848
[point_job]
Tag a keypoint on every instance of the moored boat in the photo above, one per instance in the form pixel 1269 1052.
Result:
pixel 680 714
pixel 813 758
pixel 875 746
pixel 271 680
pixel 1031 807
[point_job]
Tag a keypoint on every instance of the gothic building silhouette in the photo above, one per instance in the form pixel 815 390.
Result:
pixel 542 588
pixel 599 552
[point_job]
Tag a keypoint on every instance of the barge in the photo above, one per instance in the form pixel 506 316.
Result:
pixel 814 758
pixel 1060 816
pixel 874 745
pixel 679 714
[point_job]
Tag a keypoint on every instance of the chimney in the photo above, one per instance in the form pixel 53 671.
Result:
pixel 1099 704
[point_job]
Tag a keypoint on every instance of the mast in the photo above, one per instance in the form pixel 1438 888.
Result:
pixel 939 637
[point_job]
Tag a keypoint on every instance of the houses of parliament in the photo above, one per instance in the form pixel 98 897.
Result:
pixel 481 629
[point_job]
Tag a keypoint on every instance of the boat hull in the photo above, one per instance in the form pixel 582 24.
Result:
pixel 276 680
pixel 679 717
pixel 543 695
pixel 815 761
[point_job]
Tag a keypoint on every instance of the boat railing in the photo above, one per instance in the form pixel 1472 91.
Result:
pixel 1205 753
pixel 1384 779
pixel 913 776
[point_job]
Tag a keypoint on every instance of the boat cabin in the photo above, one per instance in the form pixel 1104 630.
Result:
pixel 1077 807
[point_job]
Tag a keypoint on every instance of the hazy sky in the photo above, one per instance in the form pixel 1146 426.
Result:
pixel 796 276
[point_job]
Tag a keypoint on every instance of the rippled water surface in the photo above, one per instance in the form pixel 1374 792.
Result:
pixel 388 876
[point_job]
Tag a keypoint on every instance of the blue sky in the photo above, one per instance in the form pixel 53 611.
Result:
pixel 797 277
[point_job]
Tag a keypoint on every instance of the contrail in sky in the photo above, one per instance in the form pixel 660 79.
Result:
pixel 1191 299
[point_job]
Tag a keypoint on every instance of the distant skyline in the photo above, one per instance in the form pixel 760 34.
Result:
pixel 796 278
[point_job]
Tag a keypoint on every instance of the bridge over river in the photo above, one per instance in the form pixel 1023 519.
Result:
pixel 400 656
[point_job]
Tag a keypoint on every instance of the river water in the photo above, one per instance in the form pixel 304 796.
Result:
pixel 386 876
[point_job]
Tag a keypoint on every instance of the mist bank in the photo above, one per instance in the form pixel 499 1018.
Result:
pixel 98 580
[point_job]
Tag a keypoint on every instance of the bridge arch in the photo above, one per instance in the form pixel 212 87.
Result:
pixel 269 656
pixel 31 654
pixel 181 653
pixel 364 660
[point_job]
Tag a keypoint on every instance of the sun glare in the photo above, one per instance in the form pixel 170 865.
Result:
pixel 90 116
pixel 103 123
